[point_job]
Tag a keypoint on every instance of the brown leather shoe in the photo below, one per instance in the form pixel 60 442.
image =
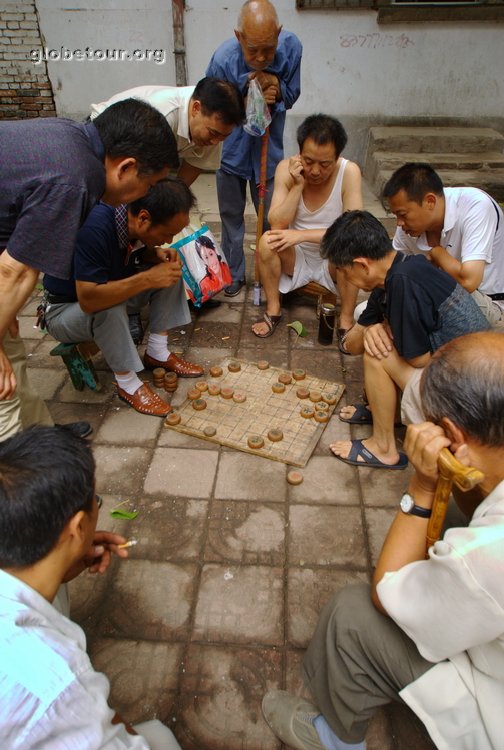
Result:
pixel 176 364
pixel 145 401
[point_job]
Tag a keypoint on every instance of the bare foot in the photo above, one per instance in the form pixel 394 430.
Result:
pixel 342 449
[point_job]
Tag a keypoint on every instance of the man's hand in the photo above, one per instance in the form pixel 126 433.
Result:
pixel 378 340
pixel 98 559
pixel 165 274
pixel 423 444
pixel 281 239
pixel 269 84
pixel 167 254
pixel 7 377
pixel 296 170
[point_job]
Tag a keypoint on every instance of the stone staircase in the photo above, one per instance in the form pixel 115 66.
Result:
pixel 461 155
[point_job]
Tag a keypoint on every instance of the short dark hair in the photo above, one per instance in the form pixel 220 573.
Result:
pixel 165 199
pixel 355 234
pixel 322 129
pixel 222 98
pixel 132 128
pixel 463 381
pixel 416 179
pixel 46 477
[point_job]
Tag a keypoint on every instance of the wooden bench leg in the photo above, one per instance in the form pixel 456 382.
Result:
pixel 77 359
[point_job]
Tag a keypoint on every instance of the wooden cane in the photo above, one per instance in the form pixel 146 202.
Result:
pixel 451 471
pixel 260 213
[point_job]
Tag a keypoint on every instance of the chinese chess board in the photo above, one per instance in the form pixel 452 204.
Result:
pixel 262 411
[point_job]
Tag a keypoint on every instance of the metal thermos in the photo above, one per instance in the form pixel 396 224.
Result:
pixel 327 322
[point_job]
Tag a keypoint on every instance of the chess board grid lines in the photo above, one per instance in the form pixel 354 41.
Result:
pixel 234 422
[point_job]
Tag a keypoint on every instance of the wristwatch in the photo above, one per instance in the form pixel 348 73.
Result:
pixel 408 506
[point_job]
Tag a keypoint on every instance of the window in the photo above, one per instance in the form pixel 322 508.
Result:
pixel 414 11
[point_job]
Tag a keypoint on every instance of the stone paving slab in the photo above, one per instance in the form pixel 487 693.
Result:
pixel 246 533
pixel 220 698
pixel 326 535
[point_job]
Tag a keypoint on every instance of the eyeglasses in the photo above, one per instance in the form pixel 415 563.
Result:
pixel 99 501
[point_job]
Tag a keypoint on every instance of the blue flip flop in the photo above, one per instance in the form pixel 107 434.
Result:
pixel 370 459
pixel 361 415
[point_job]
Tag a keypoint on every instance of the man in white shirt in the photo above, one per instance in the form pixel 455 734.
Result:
pixel 431 632
pixel 461 229
pixel 200 116
pixel 50 695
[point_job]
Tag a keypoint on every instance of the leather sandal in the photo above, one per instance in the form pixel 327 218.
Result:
pixel 145 401
pixel 181 367
pixel 271 321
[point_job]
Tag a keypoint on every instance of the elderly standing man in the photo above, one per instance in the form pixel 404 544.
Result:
pixel 429 632
pixel 52 173
pixel 260 51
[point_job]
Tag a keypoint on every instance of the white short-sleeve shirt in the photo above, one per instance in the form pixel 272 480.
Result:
pixel 473 230
pixel 173 103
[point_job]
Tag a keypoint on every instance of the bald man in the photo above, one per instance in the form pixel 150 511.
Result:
pixel 429 632
pixel 260 51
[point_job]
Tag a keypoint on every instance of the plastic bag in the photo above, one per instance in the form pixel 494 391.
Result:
pixel 204 270
pixel 258 114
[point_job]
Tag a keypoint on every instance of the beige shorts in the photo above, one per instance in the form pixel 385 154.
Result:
pixel 411 406
pixel 307 267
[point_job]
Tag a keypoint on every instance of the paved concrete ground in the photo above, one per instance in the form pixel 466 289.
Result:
pixel 221 594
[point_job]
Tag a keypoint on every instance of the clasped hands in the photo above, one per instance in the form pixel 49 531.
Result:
pixel 269 84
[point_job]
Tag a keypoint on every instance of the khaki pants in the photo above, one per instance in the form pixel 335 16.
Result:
pixel 25 407
pixel 358 660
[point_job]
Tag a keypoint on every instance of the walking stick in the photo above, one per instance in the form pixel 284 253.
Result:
pixel 261 189
pixel 451 471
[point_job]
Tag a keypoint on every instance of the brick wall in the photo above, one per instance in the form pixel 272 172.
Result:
pixel 25 90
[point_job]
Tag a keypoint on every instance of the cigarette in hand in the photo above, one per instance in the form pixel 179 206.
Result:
pixel 129 543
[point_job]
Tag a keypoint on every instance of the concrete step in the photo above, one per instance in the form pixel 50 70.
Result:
pixel 420 140
pixel 461 156
pixel 484 161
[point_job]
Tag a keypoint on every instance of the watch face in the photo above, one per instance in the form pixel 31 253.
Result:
pixel 407 503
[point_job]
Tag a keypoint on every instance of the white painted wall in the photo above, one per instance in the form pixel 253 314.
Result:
pixel 352 67
pixel 127 25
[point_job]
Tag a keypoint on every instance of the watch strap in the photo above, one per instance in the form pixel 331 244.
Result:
pixel 417 510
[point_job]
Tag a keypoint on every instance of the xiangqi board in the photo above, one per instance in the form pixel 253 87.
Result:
pixel 261 413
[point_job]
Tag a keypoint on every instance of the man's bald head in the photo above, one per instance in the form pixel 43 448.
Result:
pixel 464 381
pixel 257 33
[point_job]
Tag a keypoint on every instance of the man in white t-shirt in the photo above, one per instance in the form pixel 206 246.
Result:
pixel 200 116
pixel 311 190
pixel 461 229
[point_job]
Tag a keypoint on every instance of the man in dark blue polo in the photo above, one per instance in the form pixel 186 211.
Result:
pixel 52 173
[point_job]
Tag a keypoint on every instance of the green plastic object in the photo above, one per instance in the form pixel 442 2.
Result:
pixel 82 371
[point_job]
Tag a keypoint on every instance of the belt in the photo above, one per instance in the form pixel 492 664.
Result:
pixel 498 296
pixel 58 299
